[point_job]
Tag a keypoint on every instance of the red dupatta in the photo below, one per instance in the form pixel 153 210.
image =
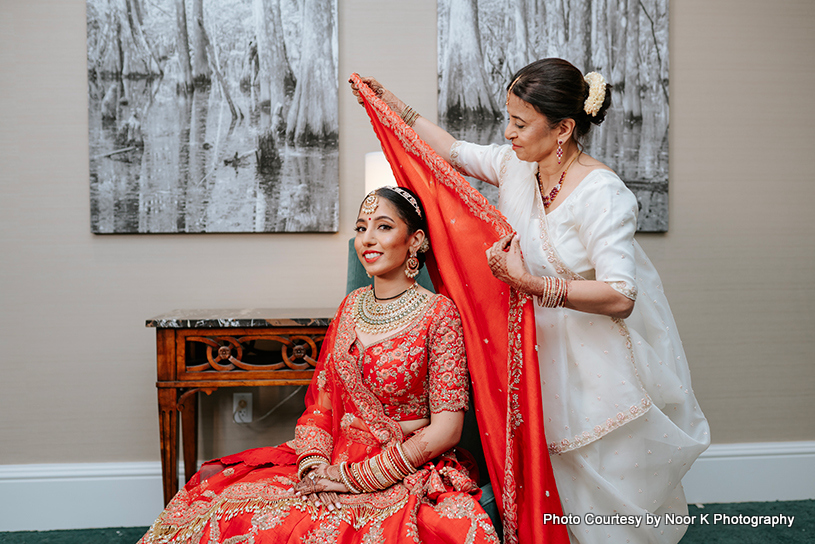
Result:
pixel 498 322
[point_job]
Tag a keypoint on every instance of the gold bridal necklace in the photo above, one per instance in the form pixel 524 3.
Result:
pixel 371 317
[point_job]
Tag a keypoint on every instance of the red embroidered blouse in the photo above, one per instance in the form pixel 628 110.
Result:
pixel 420 369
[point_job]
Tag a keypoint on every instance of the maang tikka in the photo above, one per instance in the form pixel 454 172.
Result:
pixel 371 203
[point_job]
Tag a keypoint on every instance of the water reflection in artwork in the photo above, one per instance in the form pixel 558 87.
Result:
pixel 224 145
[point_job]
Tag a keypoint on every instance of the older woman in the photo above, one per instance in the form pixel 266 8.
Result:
pixel 373 458
pixel 621 420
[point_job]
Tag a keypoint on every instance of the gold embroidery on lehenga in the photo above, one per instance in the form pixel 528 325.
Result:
pixel 457 507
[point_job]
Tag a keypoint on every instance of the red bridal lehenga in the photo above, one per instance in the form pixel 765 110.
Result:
pixel 499 327
pixel 357 396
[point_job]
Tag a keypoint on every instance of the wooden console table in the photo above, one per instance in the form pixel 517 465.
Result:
pixel 202 350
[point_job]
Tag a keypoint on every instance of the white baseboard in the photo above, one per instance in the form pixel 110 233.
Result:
pixel 756 472
pixel 95 495
pixel 79 496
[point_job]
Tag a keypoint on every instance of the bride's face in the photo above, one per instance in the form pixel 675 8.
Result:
pixel 382 241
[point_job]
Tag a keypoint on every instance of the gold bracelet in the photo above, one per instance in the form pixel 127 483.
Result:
pixel 309 462
pixel 555 292
pixel 376 468
pixel 409 116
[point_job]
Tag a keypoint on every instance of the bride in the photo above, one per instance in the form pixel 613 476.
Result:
pixel 373 458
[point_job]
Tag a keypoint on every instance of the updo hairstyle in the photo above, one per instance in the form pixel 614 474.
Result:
pixel 555 88
pixel 407 213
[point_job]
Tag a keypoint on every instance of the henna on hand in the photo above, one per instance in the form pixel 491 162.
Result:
pixel 388 97
pixel 330 499
pixel 415 449
pixel 310 485
pixel 506 262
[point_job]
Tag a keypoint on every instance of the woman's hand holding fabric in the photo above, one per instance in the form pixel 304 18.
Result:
pixel 433 135
pixel 507 263
pixel 388 97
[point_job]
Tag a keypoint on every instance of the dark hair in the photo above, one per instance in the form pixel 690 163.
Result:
pixel 555 88
pixel 407 213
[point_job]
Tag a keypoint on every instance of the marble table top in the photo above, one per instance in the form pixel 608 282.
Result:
pixel 243 318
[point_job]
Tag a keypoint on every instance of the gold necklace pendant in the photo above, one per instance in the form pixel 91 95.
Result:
pixel 372 317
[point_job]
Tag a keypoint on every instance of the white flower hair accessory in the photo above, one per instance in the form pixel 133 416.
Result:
pixel 597 93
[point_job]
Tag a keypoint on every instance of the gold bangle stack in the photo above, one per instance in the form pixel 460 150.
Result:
pixel 378 472
pixel 307 463
pixel 555 292
pixel 409 115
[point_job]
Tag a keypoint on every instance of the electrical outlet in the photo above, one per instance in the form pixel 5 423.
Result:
pixel 242 407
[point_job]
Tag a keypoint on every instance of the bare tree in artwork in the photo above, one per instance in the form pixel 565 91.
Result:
pixel 189 103
pixel 625 40
pixel 313 115
pixel 518 54
pixel 123 49
pixel 200 64
pixel 275 75
pixel 463 88
pixel 182 44
pixel 631 98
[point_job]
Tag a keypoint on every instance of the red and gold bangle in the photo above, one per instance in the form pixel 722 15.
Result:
pixel 397 464
pixel 368 476
pixel 362 477
pixel 410 468
pixel 353 477
pixel 379 473
pixel 390 470
pixel 345 479
pixel 555 292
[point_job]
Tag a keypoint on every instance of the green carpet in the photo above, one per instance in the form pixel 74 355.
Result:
pixel 121 535
pixel 717 532
pixel 714 532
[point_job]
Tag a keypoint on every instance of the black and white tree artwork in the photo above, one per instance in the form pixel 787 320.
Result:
pixel 213 116
pixel 482 43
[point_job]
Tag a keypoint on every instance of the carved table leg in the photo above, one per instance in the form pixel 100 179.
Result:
pixel 189 432
pixel 168 429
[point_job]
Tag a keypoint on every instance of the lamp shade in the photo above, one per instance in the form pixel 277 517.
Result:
pixel 378 171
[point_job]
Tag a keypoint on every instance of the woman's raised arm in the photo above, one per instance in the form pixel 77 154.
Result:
pixel 435 136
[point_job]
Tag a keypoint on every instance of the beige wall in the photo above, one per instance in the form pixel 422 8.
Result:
pixel 77 372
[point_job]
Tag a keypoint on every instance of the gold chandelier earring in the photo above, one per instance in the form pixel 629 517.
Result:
pixel 412 265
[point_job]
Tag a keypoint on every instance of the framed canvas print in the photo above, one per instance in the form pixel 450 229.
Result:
pixel 213 116
pixel 482 43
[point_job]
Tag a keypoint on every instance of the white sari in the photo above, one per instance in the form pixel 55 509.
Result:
pixel 621 419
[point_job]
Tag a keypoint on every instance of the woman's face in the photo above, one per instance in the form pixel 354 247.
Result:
pixel 382 241
pixel 528 130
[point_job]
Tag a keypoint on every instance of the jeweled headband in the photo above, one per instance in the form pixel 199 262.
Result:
pixel 371 201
